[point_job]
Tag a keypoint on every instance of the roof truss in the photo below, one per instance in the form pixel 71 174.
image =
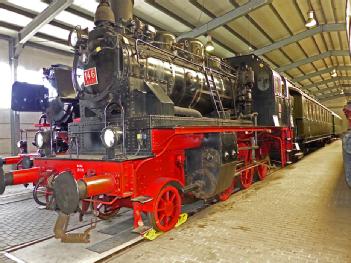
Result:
pixel 222 20
pixel 320 72
pixel 312 59
pixel 39 21
pixel 299 36
pixel 327 81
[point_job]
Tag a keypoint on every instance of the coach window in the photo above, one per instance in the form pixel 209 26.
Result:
pixel 284 88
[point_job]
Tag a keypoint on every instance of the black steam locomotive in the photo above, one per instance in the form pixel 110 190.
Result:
pixel 160 121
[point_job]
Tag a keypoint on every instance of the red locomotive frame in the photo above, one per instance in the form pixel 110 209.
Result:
pixel 155 185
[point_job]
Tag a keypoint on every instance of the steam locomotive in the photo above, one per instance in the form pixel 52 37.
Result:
pixel 160 122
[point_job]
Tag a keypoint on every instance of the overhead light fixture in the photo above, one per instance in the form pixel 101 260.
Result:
pixel 209 47
pixel 311 21
pixel 333 73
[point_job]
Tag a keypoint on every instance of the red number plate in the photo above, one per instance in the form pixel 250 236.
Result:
pixel 90 77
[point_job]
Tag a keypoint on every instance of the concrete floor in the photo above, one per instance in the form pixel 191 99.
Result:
pixel 299 214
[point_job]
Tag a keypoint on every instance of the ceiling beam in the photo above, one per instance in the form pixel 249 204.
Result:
pixel 327 81
pixel 299 36
pixel 226 18
pixel 312 59
pixel 39 21
pixel 334 95
pixel 320 72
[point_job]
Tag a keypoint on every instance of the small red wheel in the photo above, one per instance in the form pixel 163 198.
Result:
pixel 166 209
pixel 227 193
pixel 262 171
pixel 246 178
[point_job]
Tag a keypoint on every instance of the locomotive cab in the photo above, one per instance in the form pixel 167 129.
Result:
pixel 270 92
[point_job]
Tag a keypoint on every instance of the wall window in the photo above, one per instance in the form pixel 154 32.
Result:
pixel 5 98
pixel 23 75
pixel 30 76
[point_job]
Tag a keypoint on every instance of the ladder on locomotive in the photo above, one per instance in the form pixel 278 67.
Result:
pixel 215 97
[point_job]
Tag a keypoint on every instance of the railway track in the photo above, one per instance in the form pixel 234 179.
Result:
pixel 26 239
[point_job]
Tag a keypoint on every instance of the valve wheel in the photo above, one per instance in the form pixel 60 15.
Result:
pixel 262 172
pixel 41 193
pixel 166 209
pixel 227 193
pixel 246 178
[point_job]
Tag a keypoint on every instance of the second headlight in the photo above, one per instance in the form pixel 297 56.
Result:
pixel 111 137
pixel 42 139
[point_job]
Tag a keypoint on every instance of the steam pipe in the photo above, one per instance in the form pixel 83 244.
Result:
pixel 187 112
pixel 23 176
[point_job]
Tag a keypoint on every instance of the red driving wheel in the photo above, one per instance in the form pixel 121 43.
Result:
pixel 227 193
pixel 262 171
pixel 166 210
pixel 246 178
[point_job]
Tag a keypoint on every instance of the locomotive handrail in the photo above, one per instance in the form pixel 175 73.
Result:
pixel 184 59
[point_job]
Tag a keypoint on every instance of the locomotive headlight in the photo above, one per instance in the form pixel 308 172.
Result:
pixel 111 137
pixel 42 139
pixel 73 38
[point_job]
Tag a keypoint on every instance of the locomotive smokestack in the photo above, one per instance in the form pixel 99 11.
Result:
pixel 122 9
pixel 104 13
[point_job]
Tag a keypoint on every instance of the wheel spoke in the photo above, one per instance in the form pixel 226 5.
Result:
pixel 172 198
pixel 162 217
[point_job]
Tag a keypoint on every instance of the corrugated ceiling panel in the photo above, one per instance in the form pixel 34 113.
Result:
pixel 326 9
pixel 294 52
pixel 153 15
pixel 268 20
pixel 230 40
pixel 320 43
pixel 327 40
pixel 277 57
pixel 294 72
pixel 335 39
pixel 287 9
pixel 309 46
pixel 326 75
pixel 329 62
pixel 313 89
pixel 218 7
pixel 316 79
pixel 307 68
pixel 187 11
pixel 319 64
pixel 340 60
pixel 245 28
pixel 343 39
pixel 305 82
pixel 339 9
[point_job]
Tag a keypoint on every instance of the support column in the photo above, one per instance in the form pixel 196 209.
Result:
pixel 14 115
